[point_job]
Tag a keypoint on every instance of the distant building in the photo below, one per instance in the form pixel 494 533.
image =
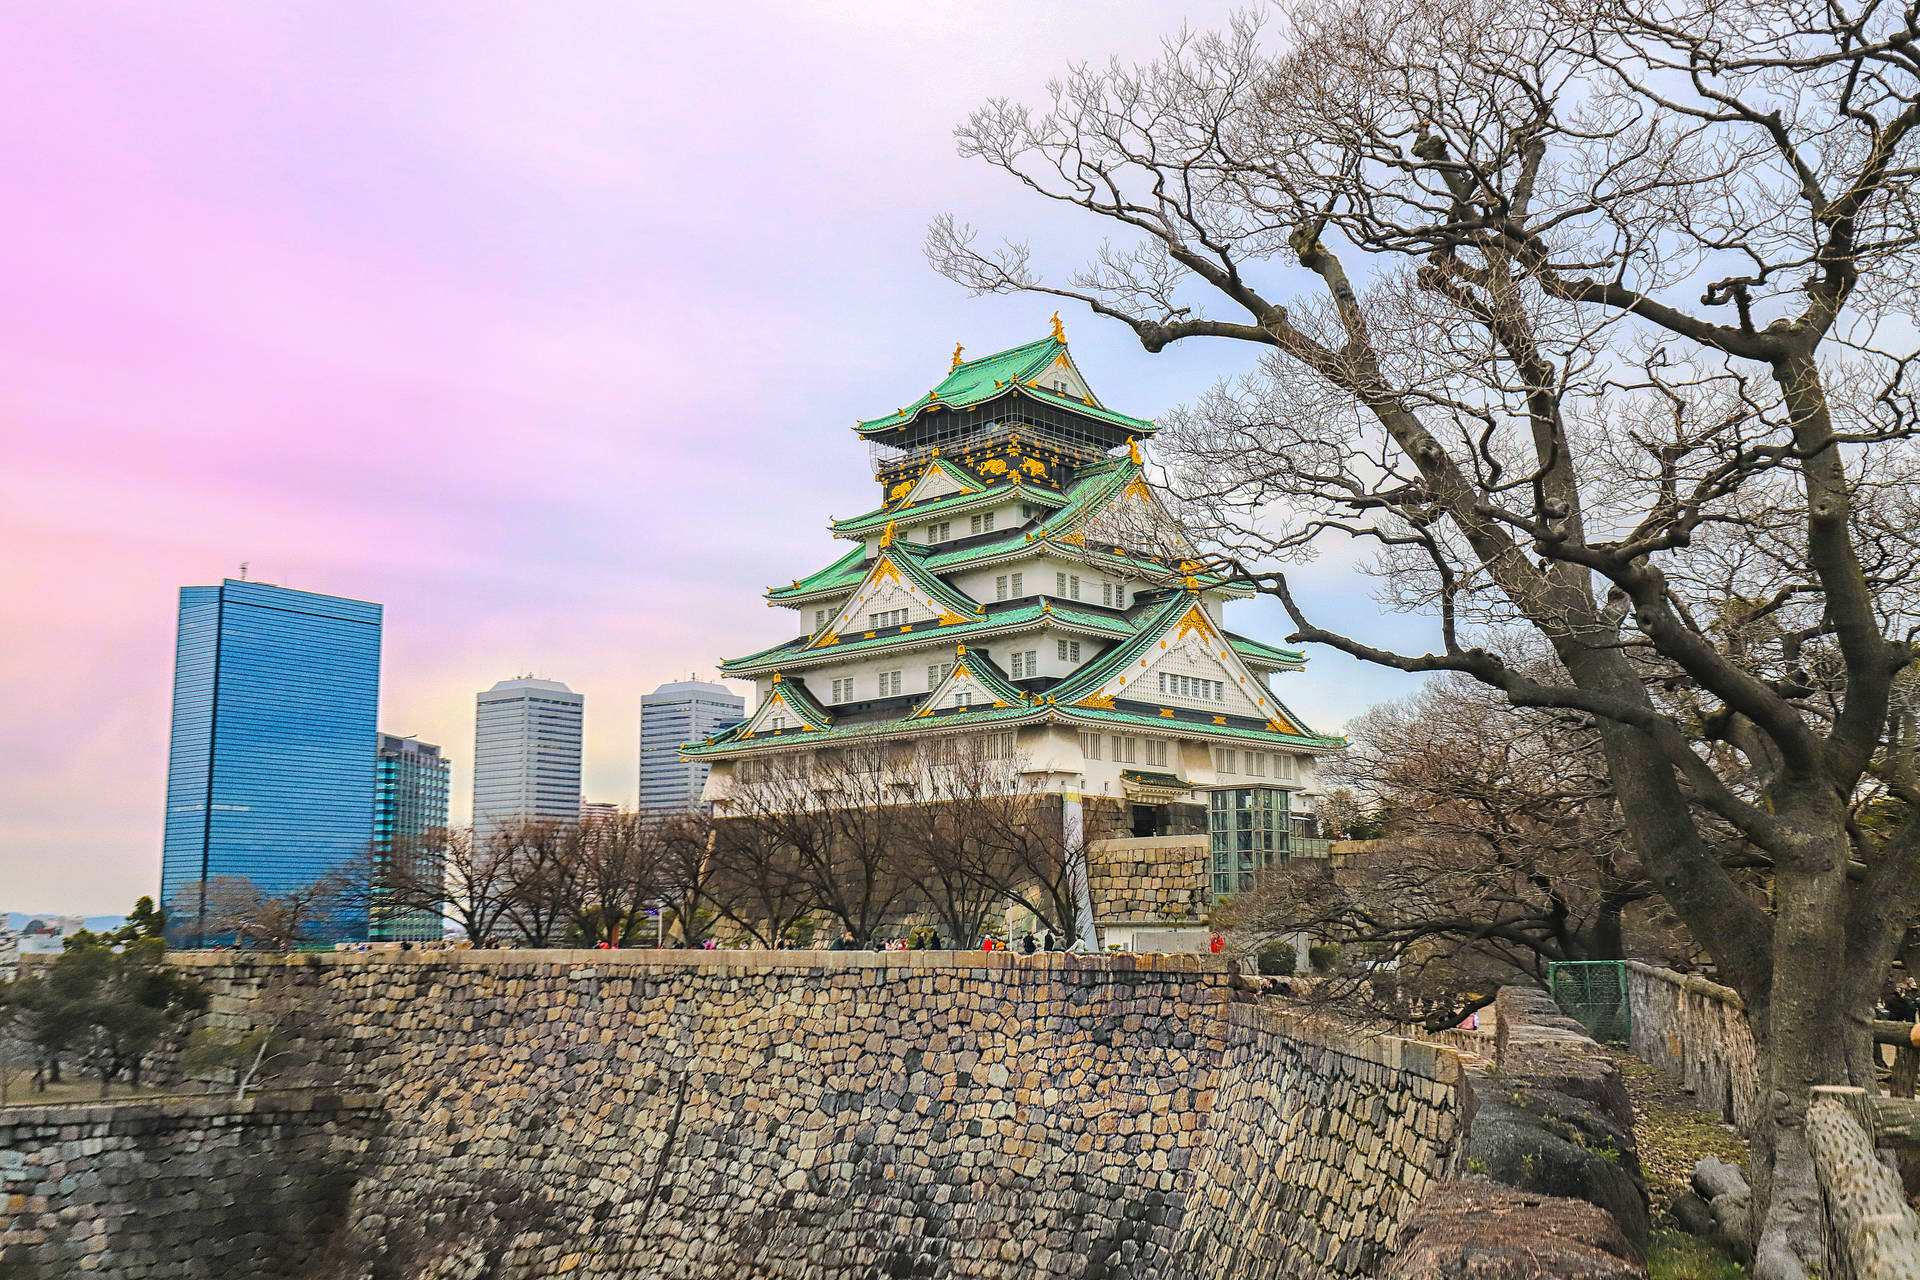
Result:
pixel 671 716
pixel 272 756
pixel 598 808
pixel 526 753
pixel 409 805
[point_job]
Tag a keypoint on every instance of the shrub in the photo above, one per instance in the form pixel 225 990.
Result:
pixel 1322 956
pixel 1278 959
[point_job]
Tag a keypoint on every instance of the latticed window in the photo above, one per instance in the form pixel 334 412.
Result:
pixel 887 618
pixel 936 672
pixel 1247 832
pixel 889 683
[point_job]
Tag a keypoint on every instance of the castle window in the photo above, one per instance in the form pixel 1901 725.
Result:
pixel 998 746
pixel 887 618
pixel 940 532
pixel 889 683
pixel 1223 761
pixel 1090 745
pixel 1068 650
pixel 936 672
pixel 1026 664
pixel 1123 750
pixel 843 690
pixel 982 523
pixel 1156 751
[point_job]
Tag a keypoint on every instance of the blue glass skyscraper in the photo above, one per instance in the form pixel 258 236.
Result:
pixel 270 774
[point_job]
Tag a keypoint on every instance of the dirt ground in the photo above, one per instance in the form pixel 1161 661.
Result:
pixel 18 1090
pixel 1673 1133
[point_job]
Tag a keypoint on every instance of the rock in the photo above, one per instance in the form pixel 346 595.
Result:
pixel 1550 1144
pixel 1714 1177
pixel 1475 1229
pixel 1691 1215
pixel 1733 1220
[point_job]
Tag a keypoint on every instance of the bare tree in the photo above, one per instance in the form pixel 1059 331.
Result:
pixel 1601 334
pixel 829 816
pixel 324 909
pixel 1503 852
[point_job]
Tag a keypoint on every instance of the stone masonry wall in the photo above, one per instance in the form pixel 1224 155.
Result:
pixel 1155 880
pixel 177 1188
pixel 1322 1141
pixel 1694 1028
pixel 736 1116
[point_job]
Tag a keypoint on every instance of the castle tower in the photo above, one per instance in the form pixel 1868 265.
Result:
pixel 1023 586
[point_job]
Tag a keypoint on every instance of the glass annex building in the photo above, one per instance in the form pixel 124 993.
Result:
pixel 270 773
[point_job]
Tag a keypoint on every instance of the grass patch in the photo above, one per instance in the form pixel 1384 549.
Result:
pixel 1675 1255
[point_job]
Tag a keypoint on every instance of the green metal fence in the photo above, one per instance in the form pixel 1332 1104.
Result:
pixel 1594 994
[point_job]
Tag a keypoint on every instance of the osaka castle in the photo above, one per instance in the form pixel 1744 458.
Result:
pixel 1021 588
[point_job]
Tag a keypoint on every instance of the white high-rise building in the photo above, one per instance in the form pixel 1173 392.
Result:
pixel 670 717
pixel 526 753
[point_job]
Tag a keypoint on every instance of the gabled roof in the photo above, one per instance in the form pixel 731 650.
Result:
pixel 1180 611
pixel 786 695
pixel 902 560
pixel 942 476
pixel 973 667
pixel 1004 373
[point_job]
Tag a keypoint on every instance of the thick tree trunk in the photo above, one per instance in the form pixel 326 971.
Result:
pixel 1804 1041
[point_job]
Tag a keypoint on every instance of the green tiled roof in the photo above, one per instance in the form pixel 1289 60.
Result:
pixel 1259 654
pixel 981 668
pixel 847 571
pixel 1156 624
pixel 975 382
pixel 802 647
pixel 934 507
pixel 1028 712
pixel 1205 728
pixel 804 704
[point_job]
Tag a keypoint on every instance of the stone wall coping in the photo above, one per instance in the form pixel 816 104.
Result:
pixel 183 1107
pixel 1692 982
pixel 1415 1057
pixel 1125 844
pixel 741 961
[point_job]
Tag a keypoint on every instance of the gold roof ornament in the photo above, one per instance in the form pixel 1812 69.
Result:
pixel 957 349
pixel 1133 451
pixel 886 535
pixel 1059 331
pixel 960 650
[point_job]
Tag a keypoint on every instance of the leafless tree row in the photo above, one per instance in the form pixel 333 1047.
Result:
pixel 860 841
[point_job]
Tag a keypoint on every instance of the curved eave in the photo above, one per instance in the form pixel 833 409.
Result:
pixel 796 655
pixel 950 504
pixel 1031 713
pixel 1139 427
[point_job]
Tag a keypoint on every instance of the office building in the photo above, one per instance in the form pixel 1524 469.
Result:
pixel 671 716
pixel 409 812
pixel 270 770
pixel 526 753
pixel 591 810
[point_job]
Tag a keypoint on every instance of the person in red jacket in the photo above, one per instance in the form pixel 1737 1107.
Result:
pixel 1218 944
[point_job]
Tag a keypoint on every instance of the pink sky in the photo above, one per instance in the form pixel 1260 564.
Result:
pixel 541 325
